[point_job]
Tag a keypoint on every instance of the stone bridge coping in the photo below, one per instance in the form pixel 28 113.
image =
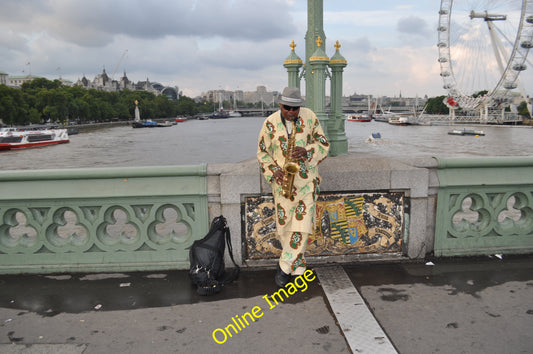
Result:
pixel 103 173
pixel 342 173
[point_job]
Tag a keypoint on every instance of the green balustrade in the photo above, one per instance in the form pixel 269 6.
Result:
pixel 114 219
pixel 127 219
pixel 484 206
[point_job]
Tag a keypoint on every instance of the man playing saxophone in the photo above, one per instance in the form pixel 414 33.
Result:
pixel 291 145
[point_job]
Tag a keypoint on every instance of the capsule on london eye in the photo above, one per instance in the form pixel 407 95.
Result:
pixel 442 45
pixel 442 29
pixel 529 19
pixel 527 44
pixel 445 74
pixel 519 67
pixel 443 12
pixel 443 60
pixel 510 85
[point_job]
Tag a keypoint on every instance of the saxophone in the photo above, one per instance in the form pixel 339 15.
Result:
pixel 291 167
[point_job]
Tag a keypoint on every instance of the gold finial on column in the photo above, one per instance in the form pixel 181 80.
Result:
pixel 292 45
pixel 319 41
pixel 337 46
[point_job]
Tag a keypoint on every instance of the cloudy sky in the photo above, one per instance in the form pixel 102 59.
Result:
pixel 198 45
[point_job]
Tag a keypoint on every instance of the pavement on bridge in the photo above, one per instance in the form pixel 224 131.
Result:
pixel 461 305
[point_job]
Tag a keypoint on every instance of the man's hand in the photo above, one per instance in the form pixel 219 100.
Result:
pixel 278 176
pixel 299 153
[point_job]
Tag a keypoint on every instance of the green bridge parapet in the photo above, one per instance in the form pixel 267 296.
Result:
pixel 112 219
pixel 485 206
pixel 145 218
pixel 482 162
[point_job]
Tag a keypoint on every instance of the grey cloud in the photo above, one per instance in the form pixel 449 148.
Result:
pixel 21 10
pixel 94 23
pixel 363 45
pixel 358 53
pixel 413 25
pixel 178 57
pixel 10 40
pixel 239 56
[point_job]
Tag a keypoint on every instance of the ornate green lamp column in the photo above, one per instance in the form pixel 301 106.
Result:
pixel 317 72
pixel 315 29
pixel 293 63
pixel 336 128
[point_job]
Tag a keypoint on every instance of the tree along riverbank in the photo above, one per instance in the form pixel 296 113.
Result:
pixel 42 100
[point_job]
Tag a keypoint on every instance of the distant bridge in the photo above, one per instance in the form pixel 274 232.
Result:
pixel 508 118
pixel 268 111
pixel 248 112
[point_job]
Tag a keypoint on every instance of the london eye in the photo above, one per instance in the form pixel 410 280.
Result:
pixel 483 52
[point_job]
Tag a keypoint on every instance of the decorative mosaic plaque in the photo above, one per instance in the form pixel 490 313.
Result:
pixel 344 224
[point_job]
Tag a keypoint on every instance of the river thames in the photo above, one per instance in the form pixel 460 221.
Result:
pixel 235 139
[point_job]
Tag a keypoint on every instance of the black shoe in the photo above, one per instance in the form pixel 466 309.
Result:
pixel 281 278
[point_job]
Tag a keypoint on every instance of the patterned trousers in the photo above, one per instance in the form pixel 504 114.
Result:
pixel 292 259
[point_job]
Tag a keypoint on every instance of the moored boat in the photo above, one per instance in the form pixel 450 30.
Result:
pixel 467 132
pixel 359 118
pixel 398 120
pixel 384 116
pixel 219 114
pixel 144 124
pixel 233 114
pixel 24 138
pixel 150 124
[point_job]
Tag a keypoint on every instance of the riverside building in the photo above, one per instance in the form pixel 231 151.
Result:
pixel 105 83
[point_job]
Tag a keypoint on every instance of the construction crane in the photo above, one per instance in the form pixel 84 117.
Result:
pixel 118 64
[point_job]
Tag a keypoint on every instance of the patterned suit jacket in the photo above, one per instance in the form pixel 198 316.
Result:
pixel 295 214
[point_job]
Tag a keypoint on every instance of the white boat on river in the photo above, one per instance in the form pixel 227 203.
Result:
pixel 31 137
